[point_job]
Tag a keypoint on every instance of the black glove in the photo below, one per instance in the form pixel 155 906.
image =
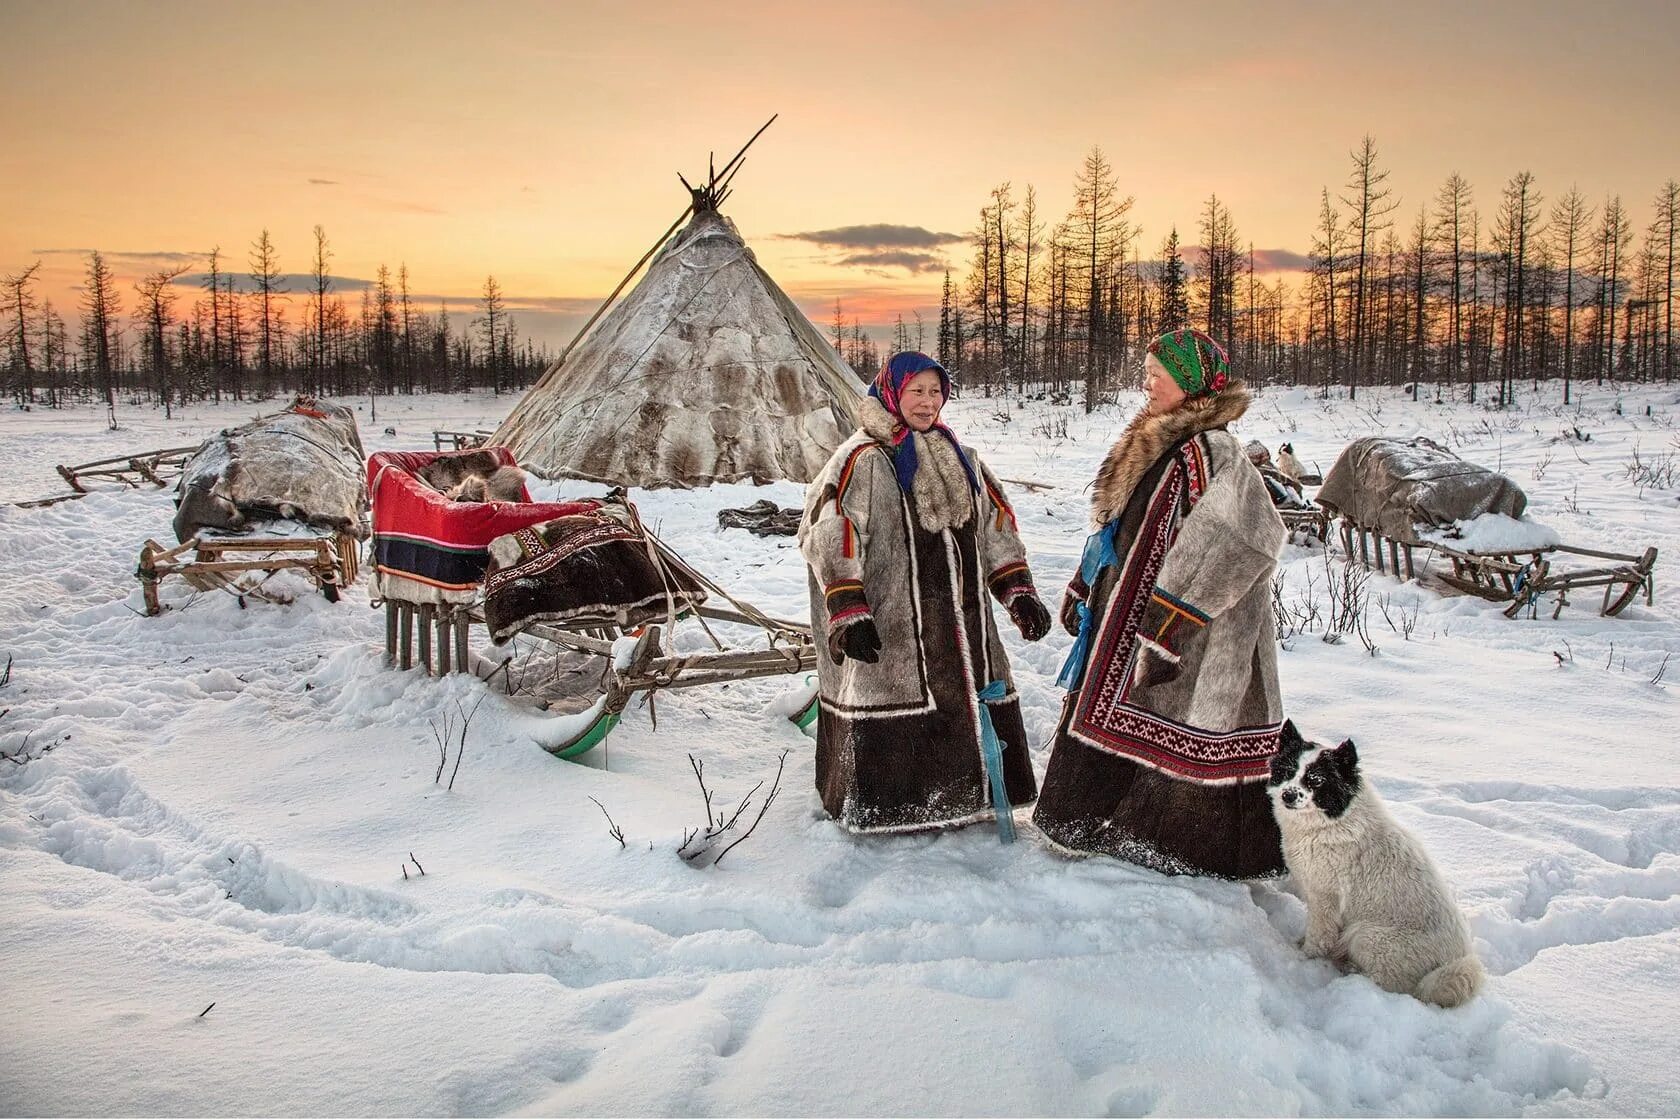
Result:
pixel 858 640
pixel 1154 666
pixel 1070 614
pixel 1031 616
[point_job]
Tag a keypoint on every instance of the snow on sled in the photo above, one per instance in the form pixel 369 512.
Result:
pixel 1395 496
pixel 280 493
pixel 585 578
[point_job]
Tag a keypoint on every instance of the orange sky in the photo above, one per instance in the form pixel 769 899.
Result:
pixel 540 141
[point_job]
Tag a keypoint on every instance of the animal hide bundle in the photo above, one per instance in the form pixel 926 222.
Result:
pixel 589 569
pixel 303 464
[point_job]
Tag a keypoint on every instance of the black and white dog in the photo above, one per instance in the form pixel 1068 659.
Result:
pixel 1375 900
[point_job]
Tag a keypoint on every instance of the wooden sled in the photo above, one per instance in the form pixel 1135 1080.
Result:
pixel 1518 577
pixel 232 563
pixel 157 468
pixel 1314 522
pixel 624 664
pixel 458 441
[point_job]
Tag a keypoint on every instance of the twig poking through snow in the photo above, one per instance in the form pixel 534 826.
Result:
pixel 613 830
pixel 422 870
pixel 206 1011
pixel 701 842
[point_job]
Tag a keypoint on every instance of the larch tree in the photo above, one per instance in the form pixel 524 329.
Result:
pixel 1368 206
pixel 1668 216
pixel 1514 232
pixel 1570 217
pixel 267 292
pixel 1098 231
pixel 157 303
pixel 100 307
pixel 320 279
pixel 19 289
pixel 1615 232
pixel 1328 244
pixel 491 324
pixel 1452 205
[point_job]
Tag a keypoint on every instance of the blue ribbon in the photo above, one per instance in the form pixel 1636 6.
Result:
pixel 992 751
pixel 1099 554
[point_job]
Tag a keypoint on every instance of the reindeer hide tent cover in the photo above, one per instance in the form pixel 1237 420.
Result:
pixel 706 372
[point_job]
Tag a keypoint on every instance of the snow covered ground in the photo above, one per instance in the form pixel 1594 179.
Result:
pixel 216 806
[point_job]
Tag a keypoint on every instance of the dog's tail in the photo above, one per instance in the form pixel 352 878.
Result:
pixel 1452 984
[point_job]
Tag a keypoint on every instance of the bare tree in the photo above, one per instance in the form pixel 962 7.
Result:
pixel 21 303
pixel 268 293
pixel 1329 241
pixel 491 323
pixel 1097 226
pixel 1369 208
pixel 100 307
pixel 1452 203
pixel 321 284
pixel 1569 222
pixel 1668 215
pixel 157 302
pixel 1614 233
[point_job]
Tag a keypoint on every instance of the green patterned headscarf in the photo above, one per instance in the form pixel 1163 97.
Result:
pixel 1196 362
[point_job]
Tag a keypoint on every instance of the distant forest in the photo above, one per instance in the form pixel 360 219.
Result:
pixel 1436 294
pixel 248 337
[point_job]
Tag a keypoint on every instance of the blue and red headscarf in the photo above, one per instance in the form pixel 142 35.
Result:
pixel 886 387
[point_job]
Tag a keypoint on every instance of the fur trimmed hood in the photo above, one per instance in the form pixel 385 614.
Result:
pixel 1147 437
pixel 944 496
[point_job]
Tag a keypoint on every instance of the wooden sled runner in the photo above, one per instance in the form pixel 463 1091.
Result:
pixel 241 564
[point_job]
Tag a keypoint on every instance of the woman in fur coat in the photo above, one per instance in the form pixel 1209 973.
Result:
pixel 906 532
pixel 1172 714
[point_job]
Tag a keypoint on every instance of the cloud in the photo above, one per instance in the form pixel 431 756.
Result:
pixel 155 256
pixel 323 182
pixel 879 236
pixel 293 283
pixel 1265 260
pixel 1280 260
pixel 910 261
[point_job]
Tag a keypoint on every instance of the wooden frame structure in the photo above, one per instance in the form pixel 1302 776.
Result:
pixel 1518 577
pixel 218 563
pixel 458 441
pixel 155 467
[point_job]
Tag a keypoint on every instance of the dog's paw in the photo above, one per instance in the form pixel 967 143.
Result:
pixel 1318 948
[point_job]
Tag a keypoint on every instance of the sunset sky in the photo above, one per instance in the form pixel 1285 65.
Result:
pixel 540 141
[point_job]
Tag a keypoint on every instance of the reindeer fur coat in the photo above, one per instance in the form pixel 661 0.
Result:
pixel 898 741
pixel 1162 752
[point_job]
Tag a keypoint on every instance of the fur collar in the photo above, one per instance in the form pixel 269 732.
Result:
pixel 1148 437
pixel 944 498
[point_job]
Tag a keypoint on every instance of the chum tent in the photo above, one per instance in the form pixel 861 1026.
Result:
pixel 705 372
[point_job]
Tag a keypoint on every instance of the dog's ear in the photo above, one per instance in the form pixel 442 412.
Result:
pixel 1291 739
pixel 1347 758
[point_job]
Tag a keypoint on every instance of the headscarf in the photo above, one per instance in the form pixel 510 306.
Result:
pixel 1197 363
pixel 886 387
